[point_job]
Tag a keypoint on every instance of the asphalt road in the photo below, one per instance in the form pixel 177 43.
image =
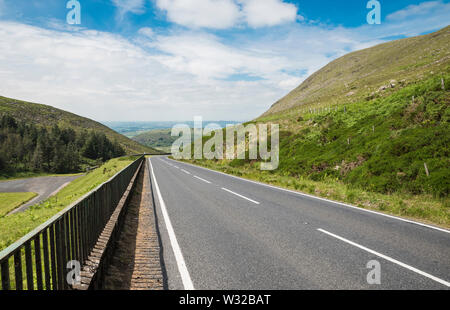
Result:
pixel 223 232
pixel 43 186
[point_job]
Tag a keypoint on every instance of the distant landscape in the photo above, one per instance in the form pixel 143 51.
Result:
pixel 156 135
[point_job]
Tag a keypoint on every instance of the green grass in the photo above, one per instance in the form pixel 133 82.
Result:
pixel 423 208
pixel 158 138
pixel 17 225
pixel 391 139
pixel 10 201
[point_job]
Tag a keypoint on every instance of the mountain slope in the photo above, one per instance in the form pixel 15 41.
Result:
pixel 160 139
pixel 45 115
pixel 364 74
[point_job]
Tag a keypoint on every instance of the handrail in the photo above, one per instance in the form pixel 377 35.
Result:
pixel 68 235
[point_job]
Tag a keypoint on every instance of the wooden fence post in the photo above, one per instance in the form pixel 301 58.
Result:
pixel 426 169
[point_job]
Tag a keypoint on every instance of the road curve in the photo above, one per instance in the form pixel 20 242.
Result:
pixel 43 186
pixel 223 232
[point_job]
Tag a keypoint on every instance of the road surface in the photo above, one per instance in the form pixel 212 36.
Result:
pixel 223 232
pixel 43 186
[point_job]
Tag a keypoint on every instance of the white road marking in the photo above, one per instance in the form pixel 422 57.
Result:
pixel 327 200
pixel 166 162
pixel 187 172
pixel 388 258
pixel 206 181
pixel 182 268
pixel 255 202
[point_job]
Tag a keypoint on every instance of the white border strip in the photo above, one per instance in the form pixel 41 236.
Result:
pixel 185 277
pixel 422 273
pixel 255 202
pixel 324 199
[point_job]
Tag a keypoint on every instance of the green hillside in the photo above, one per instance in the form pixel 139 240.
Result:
pixel 369 148
pixel 369 73
pixel 48 116
pixel 160 139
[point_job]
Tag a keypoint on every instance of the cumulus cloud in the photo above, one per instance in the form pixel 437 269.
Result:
pixel 201 13
pixel 268 12
pixel 106 77
pixel 221 14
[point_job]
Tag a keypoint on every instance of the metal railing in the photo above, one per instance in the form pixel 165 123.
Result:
pixel 42 255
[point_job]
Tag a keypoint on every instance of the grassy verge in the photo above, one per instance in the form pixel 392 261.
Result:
pixel 423 208
pixel 17 225
pixel 10 201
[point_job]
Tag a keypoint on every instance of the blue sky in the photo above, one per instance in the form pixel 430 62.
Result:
pixel 172 59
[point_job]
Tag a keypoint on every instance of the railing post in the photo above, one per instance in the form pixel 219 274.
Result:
pixel 18 270
pixel 45 246
pixel 5 275
pixel 38 262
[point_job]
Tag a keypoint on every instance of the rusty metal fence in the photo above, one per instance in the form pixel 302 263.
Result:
pixel 39 259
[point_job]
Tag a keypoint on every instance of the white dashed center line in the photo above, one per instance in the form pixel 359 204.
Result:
pixel 202 179
pixel 251 200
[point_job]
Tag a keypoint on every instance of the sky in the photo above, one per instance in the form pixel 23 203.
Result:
pixel 170 60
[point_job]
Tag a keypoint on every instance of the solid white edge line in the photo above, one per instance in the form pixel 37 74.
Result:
pixel 422 273
pixel 206 181
pixel 324 199
pixel 184 273
pixel 225 189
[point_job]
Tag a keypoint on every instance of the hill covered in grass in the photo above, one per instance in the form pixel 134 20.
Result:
pixel 48 116
pixel 369 73
pixel 160 139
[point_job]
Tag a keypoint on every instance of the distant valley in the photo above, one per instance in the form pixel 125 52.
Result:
pixel 156 135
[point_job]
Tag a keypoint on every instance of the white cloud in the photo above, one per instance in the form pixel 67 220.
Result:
pixel 147 32
pixel 221 14
pixel 105 77
pixel 422 9
pixel 218 14
pixel 205 57
pixel 260 13
pixel 133 6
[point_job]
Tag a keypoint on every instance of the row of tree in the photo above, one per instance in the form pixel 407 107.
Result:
pixel 27 147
